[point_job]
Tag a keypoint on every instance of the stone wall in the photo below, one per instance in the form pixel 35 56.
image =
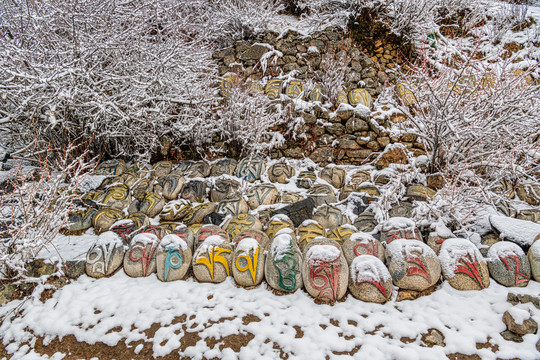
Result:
pixel 333 133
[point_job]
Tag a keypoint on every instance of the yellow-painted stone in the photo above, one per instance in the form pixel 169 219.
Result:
pixel 273 88
pixel 360 96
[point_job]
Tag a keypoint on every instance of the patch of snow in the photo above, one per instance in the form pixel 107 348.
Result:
pixel 322 253
pixel 172 241
pixel 368 268
pixel 281 246
pixel 91 182
pixel 503 249
pixel 145 238
pixel 521 232
pixel 398 223
pixel 519 315
pixel 247 244
pixel 109 237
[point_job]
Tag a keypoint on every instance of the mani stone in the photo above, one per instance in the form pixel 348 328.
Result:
pixel 308 231
pixel 360 96
pixel 529 193
pixel 198 169
pixel 370 280
pixel 357 203
pixel 111 167
pixel 277 223
pixel 534 259
pixel 346 191
pixel 325 271
pixel 250 169
pixel 505 208
pixel 370 190
pixel 197 213
pixel 139 218
pixel 149 203
pixel 248 260
pixel 233 207
pixel 81 220
pixel 280 173
pixel 185 234
pixel 361 243
pixel 142 186
pixel 140 259
pixel 330 217
pixel 242 222
pixel 504 187
pixel 209 230
pixel 412 264
pixel 297 212
pixel 365 222
pixel 420 193
pixel 124 228
pixel 224 189
pixel 175 210
pixel 90 198
pixel 128 178
pixel 508 264
pixel 403 209
pixel 273 88
pixel 341 233
pixel 156 230
pixel 529 215
pixel 104 218
pixel 173 258
pixel 105 256
pixel 194 191
pixel 212 260
pixel 227 82
pixel 115 196
pixel 171 185
pixel 284 264
pixel 214 218
pixel 223 167
pixel 162 168
pixel 290 198
pixel 342 97
pixel 463 266
pixel 306 179
pixel 321 195
pixel 258 235
pixel 263 194
pixel 360 177
pixel 170 226
pixel 334 176
pixel 316 94
pixel 294 89
pixel 399 228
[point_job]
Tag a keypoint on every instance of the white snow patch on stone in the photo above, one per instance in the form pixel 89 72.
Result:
pixel 398 223
pixel 368 268
pixel 281 245
pixel 109 237
pixel 503 249
pixel 172 241
pixel 519 315
pixel 247 244
pixel 322 253
pixel 145 238
pixel 522 232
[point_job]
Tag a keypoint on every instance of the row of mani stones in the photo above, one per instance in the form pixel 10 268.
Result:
pixel 180 193
pixel 294 89
pixel 290 258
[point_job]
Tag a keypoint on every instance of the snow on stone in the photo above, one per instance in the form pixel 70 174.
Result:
pixel 535 248
pixel 349 227
pixel 519 314
pixel 91 182
pixel 399 247
pixel 280 217
pixel 280 246
pixel 368 268
pixel 109 237
pixel 362 237
pixel 322 253
pixel 145 238
pixel 398 223
pixel 123 222
pixel 313 49
pixel 309 222
pixel 452 250
pixel 521 232
pixel 247 244
pixel 172 241
pixel 503 249
pixel 441 230
pixel 211 241
pixel 171 206
pixel 286 230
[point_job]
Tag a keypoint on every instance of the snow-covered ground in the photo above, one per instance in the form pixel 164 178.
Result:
pixel 110 310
